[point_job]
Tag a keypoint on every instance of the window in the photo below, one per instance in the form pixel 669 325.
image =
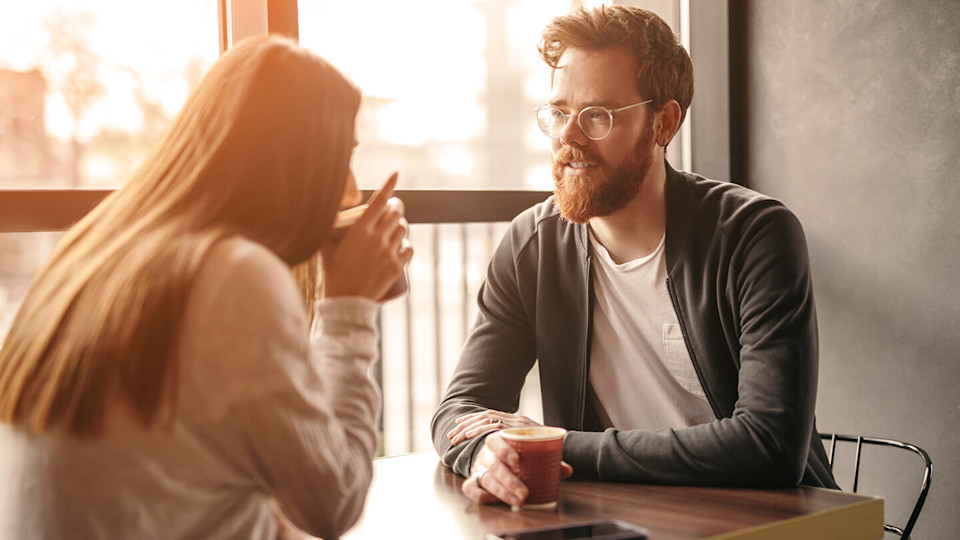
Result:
pixel 449 90
pixel 449 86
pixel 88 86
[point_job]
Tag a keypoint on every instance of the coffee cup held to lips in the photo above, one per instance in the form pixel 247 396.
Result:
pixel 346 218
pixel 541 450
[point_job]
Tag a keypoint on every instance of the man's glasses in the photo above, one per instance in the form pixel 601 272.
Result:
pixel 595 122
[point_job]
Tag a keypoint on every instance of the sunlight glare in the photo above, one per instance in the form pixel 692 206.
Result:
pixel 131 47
pixel 427 64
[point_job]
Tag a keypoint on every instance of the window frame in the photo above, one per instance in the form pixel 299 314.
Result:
pixel 38 210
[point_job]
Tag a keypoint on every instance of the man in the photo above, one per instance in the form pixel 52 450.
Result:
pixel 672 316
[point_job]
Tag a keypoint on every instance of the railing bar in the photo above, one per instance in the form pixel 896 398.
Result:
pixel 437 330
pixel 408 329
pixel 378 377
pixel 464 282
pixel 489 239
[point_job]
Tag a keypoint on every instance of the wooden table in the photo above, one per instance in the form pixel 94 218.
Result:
pixel 415 497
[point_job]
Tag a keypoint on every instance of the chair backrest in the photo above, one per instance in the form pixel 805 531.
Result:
pixel 859 441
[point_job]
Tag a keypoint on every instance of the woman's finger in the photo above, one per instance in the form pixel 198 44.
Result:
pixel 377 201
pixel 405 252
pixel 399 233
pixel 390 220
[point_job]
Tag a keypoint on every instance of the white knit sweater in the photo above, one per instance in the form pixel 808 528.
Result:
pixel 271 415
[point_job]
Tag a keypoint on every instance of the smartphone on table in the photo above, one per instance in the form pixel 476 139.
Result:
pixel 608 529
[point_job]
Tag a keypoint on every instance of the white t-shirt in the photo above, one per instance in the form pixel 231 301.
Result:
pixel 640 369
pixel 267 417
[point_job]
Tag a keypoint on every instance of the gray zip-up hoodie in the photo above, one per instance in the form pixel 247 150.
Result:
pixel 739 279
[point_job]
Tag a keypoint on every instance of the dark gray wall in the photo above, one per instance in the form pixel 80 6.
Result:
pixel 854 122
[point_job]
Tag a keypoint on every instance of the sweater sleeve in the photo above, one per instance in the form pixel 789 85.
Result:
pixel 299 407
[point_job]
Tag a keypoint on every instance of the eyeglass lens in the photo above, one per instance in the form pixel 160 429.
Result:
pixel 596 122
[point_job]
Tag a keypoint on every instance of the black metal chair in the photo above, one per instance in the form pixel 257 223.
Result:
pixel 860 441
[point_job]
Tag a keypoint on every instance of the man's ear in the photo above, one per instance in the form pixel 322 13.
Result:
pixel 667 122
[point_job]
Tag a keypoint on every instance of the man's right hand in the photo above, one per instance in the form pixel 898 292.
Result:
pixel 476 424
pixel 493 477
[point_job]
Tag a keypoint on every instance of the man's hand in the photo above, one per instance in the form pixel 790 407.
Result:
pixel 494 478
pixel 474 424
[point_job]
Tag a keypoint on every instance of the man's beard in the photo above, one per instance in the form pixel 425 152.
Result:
pixel 580 198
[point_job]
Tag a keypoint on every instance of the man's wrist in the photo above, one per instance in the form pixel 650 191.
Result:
pixel 581 450
pixel 474 451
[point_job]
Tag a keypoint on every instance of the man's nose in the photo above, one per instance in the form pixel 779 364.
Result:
pixel 571 134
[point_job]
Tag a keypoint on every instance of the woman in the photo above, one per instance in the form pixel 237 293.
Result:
pixel 160 379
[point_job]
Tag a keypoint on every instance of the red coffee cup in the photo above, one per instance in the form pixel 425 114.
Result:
pixel 348 217
pixel 541 450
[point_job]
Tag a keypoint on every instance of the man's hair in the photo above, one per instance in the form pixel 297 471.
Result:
pixel 666 71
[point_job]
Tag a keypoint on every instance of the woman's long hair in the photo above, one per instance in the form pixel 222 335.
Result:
pixel 261 149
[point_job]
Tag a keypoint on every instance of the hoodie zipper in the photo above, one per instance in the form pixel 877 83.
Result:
pixel 585 370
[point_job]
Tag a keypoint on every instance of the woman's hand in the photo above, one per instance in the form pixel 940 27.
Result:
pixel 371 254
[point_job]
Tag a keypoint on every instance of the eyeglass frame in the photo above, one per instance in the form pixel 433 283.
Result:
pixel 566 118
